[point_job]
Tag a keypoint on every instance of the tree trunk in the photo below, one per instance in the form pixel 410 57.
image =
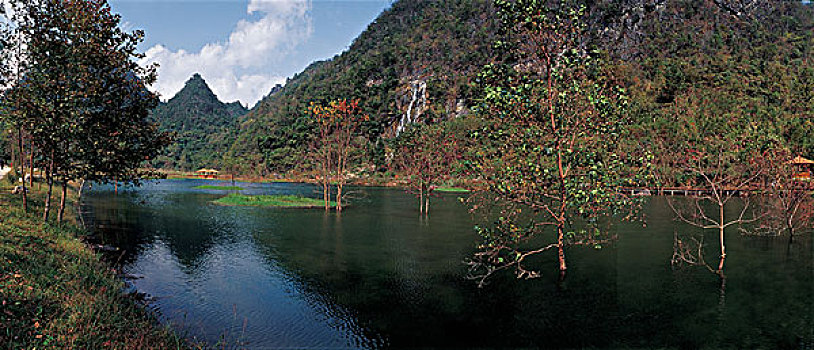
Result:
pixel 50 176
pixel 426 191
pixel 427 204
pixel 233 178
pixel 721 231
pixel 79 194
pixel 31 166
pixel 13 152
pixel 326 197
pixel 115 185
pixel 62 200
pixel 79 198
pixel 723 247
pixel 22 168
pixel 339 196
pixel 561 248
pixel 421 199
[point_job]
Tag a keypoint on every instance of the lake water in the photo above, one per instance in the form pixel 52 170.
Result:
pixel 380 276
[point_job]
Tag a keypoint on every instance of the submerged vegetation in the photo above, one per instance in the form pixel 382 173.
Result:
pixel 281 201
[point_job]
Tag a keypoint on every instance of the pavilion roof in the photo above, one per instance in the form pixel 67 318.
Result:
pixel 801 160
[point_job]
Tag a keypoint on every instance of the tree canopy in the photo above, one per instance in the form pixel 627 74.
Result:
pixel 80 94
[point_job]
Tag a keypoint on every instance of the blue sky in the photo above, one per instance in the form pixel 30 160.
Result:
pixel 242 48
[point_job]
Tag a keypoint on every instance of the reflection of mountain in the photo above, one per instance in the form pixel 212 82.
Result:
pixel 133 220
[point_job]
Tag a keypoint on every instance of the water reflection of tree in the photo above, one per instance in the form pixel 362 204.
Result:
pixel 133 222
pixel 763 298
pixel 109 221
pixel 688 250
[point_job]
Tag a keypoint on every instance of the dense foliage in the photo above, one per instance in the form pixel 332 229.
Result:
pixel 703 72
pixel 78 95
pixel 418 56
pixel 418 62
pixel 554 116
pixel 202 125
pixel 335 151
pixel 723 93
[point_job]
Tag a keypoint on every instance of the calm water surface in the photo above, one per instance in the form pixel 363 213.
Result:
pixel 379 276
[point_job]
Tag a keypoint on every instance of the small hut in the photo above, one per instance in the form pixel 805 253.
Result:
pixel 803 166
pixel 207 173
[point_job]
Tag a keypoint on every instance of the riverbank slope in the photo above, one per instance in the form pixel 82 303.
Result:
pixel 55 293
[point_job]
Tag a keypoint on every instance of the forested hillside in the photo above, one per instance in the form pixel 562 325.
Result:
pixel 414 63
pixel 202 126
pixel 733 69
pixel 419 62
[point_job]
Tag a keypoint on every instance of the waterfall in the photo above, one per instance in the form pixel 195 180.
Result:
pixel 417 102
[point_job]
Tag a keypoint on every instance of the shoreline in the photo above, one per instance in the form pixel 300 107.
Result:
pixel 58 292
pixel 462 185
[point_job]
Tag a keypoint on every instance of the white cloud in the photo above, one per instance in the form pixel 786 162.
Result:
pixel 237 69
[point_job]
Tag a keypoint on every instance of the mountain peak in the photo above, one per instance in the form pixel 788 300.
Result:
pixel 199 120
pixel 196 87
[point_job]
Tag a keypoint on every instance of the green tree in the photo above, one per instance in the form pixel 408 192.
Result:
pixel 554 116
pixel 337 145
pixel 426 155
pixel 82 96
pixel 12 43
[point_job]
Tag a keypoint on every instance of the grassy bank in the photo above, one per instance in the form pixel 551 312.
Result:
pixel 221 188
pixel 272 201
pixel 57 294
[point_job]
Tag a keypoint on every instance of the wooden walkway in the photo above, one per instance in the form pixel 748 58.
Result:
pixel 678 191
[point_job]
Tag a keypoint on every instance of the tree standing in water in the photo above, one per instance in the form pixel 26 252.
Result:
pixel 554 116
pixel 323 118
pixel 427 155
pixel 339 124
pixel 787 203
pixel 719 157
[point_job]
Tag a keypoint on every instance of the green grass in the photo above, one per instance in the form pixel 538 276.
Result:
pixel 223 188
pixel 452 189
pixel 272 201
pixel 57 294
